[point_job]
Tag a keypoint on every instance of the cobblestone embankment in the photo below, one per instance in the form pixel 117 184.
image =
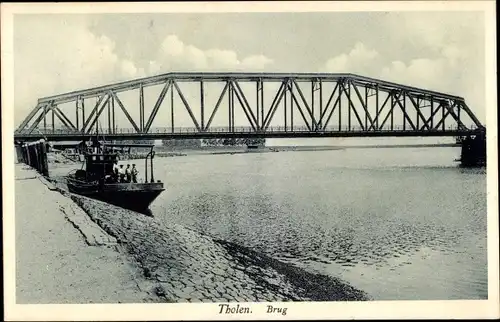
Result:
pixel 186 266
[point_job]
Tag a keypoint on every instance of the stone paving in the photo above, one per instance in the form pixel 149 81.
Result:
pixel 54 263
pixel 93 234
pixel 187 266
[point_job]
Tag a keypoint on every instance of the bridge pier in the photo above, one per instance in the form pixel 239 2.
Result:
pixel 473 150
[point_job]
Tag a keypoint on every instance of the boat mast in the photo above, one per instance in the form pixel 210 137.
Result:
pixel 152 155
pixel 146 168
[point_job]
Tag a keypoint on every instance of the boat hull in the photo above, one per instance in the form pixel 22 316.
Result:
pixel 134 196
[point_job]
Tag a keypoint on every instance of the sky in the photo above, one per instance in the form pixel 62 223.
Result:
pixel 57 53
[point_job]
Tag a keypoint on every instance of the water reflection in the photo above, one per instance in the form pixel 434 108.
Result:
pixel 271 227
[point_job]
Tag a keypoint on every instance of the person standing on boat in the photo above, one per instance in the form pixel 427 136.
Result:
pixel 128 174
pixel 121 173
pixel 115 171
pixel 134 173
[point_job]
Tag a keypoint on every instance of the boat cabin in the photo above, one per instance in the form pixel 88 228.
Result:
pixel 99 165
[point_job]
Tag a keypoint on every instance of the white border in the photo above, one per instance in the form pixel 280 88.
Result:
pixel 304 310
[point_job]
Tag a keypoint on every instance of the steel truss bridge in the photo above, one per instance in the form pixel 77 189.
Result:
pixel 258 105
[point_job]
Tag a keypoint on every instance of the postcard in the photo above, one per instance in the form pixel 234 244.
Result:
pixel 249 160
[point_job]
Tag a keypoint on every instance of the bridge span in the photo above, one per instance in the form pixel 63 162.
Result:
pixel 239 105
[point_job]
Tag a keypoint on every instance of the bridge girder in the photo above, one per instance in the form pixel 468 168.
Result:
pixel 275 133
pixel 367 103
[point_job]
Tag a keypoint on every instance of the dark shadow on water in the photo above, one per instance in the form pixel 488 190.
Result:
pixel 148 212
pixel 317 287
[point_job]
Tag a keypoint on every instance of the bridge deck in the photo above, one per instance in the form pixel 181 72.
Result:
pixel 246 134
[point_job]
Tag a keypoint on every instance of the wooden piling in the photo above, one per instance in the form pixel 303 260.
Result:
pixel 45 164
pixel 34 154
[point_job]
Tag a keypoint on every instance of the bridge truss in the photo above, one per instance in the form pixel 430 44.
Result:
pixel 204 105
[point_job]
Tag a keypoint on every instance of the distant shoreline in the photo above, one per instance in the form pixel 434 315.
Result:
pixel 441 145
pixel 162 152
pixel 267 149
pixel 215 148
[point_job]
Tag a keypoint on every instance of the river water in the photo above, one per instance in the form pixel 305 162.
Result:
pixel 402 223
pixel 397 223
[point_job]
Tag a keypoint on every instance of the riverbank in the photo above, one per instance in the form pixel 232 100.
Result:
pixel 161 152
pixel 119 256
pixel 54 261
pixel 191 267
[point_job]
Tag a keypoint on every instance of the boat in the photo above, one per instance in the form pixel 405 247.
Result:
pixel 97 180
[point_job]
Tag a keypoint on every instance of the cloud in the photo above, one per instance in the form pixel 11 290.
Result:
pixel 129 69
pixel 447 73
pixel 422 72
pixel 58 56
pixel 172 46
pixel 77 59
pixel 443 71
pixel 447 50
pixel 175 55
pixel 359 59
pixel 446 69
pixel 434 31
pixel 256 62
